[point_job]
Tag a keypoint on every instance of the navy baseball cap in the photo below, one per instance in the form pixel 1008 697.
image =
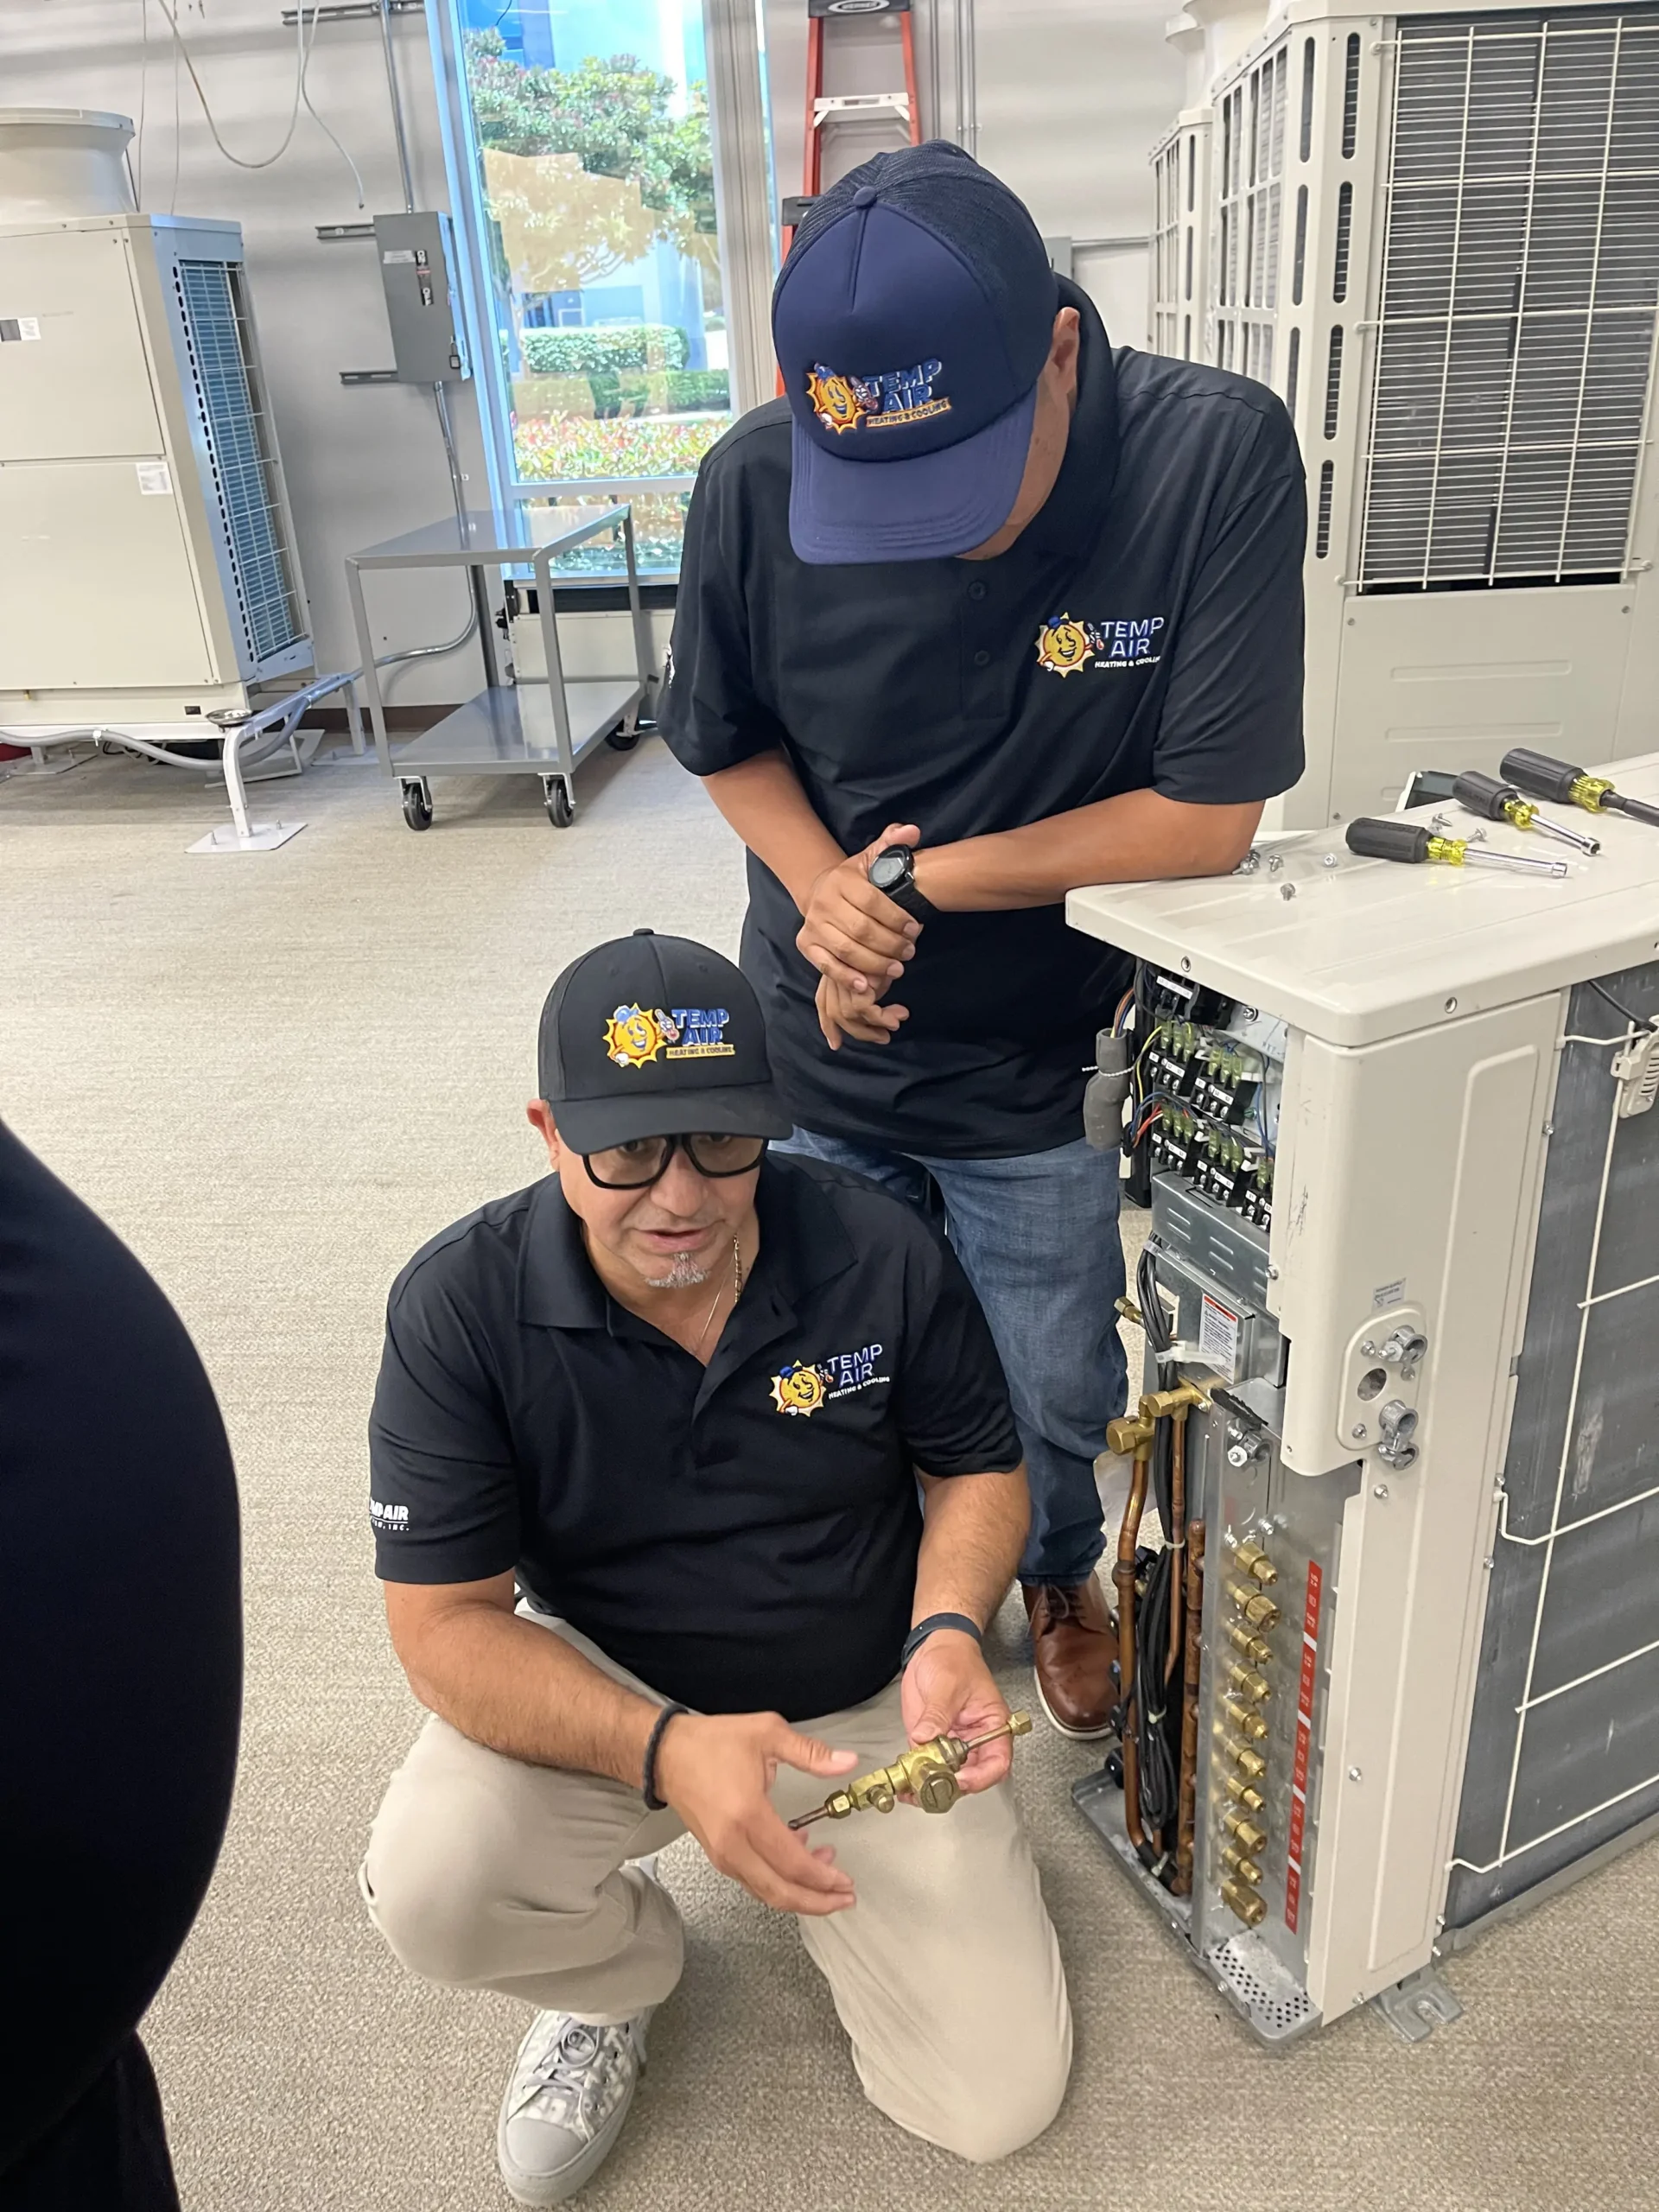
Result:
pixel 654 1036
pixel 912 320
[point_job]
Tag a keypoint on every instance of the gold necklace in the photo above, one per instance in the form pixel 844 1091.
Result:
pixel 737 1292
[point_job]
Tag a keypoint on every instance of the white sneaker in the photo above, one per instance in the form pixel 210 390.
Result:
pixel 567 2098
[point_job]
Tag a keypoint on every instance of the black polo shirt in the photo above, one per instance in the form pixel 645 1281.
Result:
pixel 1144 631
pixel 742 1538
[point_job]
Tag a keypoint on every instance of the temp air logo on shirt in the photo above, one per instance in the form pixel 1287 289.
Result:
pixel 636 1035
pixel 1065 645
pixel 802 1389
pixel 890 399
pixel 388 1516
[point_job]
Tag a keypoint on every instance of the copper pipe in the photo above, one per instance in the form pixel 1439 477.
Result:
pixel 1128 1536
pixel 1173 1536
pixel 1186 1824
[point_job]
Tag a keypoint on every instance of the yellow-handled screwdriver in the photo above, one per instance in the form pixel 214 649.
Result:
pixel 1500 802
pixel 1541 776
pixel 1392 837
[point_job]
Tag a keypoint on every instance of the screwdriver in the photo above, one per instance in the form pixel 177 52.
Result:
pixel 1497 802
pixel 1395 839
pixel 1542 776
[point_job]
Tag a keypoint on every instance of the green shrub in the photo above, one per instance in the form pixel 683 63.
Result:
pixel 697 388
pixel 604 350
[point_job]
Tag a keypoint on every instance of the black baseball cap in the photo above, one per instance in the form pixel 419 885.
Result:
pixel 912 321
pixel 654 1036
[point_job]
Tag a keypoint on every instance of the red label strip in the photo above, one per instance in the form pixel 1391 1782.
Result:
pixel 1304 1741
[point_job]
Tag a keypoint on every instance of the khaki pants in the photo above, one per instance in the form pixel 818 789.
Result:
pixel 486 1874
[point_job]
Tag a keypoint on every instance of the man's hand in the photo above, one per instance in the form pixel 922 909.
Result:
pixel 716 1772
pixel 948 1690
pixel 844 1013
pixel 852 932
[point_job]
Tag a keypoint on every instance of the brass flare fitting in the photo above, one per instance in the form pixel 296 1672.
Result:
pixel 1244 1718
pixel 1250 1835
pixel 1245 1903
pixel 1246 1869
pixel 1255 1560
pixel 1241 1793
pixel 1242 1756
pixel 1256 1649
pixel 1259 1611
pixel 1250 1685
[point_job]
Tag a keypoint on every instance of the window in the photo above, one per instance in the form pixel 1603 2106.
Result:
pixel 581 139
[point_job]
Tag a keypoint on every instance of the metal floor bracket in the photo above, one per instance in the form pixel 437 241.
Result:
pixel 1413 2008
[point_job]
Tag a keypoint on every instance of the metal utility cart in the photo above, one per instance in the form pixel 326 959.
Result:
pixel 540 725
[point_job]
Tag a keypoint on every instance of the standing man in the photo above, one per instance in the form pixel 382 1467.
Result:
pixel 979 612
pixel 680 1397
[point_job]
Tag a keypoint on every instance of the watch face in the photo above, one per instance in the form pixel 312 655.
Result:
pixel 890 871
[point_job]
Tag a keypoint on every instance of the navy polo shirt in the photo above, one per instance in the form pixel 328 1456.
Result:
pixel 743 1537
pixel 1144 630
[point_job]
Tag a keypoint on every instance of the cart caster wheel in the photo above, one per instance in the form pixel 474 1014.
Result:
pixel 418 807
pixel 623 740
pixel 560 810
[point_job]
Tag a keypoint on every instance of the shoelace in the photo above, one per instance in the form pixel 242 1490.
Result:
pixel 1062 1603
pixel 567 2083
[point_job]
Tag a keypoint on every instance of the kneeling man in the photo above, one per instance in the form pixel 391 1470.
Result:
pixel 645 1452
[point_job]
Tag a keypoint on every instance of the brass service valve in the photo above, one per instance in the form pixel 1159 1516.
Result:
pixel 927 1772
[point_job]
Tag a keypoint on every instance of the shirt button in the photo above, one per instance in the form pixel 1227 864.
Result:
pixel 982 658
pixel 975 591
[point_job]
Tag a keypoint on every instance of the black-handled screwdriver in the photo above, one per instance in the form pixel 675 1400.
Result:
pixel 1500 802
pixel 1541 776
pixel 1391 837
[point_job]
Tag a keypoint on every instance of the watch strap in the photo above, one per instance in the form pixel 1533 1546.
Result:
pixel 923 1630
pixel 654 1744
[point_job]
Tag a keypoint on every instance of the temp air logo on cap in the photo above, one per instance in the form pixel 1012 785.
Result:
pixel 798 1390
pixel 890 399
pixel 635 1035
pixel 1065 645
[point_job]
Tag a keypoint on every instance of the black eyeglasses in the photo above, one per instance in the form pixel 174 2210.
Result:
pixel 643 1160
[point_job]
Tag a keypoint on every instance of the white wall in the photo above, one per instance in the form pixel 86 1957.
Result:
pixel 361 464
pixel 1068 97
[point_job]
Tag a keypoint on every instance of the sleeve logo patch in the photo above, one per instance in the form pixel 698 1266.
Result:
pixel 801 1388
pixel 888 400
pixel 1067 645
pixel 636 1035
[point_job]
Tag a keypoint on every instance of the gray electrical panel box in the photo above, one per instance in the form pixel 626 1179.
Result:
pixel 416 256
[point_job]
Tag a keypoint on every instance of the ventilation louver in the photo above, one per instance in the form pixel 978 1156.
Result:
pixel 1251 218
pixel 240 453
pixel 1520 273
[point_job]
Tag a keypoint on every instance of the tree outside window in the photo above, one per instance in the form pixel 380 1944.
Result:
pixel 597 191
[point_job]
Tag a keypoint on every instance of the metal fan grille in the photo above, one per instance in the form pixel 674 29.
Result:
pixel 1166 248
pixel 1520 272
pixel 241 456
pixel 1250 219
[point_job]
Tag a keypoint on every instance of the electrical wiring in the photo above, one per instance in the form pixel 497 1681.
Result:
pixel 1636 1020
pixel 1154 1721
pixel 304 40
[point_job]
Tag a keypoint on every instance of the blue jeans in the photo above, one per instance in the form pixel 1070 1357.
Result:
pixel 1037 1238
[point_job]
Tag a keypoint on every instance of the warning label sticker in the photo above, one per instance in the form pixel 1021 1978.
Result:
pixel 1218 1336
pixel 1306 1683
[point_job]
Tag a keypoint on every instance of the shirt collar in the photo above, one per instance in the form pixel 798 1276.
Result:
pixel 1069 519
pixel 803 1243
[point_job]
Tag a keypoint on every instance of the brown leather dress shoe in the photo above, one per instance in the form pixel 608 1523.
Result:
pixel 1073 1644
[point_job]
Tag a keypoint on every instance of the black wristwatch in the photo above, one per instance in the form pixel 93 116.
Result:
pixel 894 873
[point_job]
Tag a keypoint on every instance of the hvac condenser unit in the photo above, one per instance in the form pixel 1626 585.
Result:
pixel 147 565
pixel 1405 1210
pixel 1436 236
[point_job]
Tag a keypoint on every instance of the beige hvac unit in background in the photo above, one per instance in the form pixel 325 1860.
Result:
pixel 147 564
pixel 1435 234
pixel 1401 1274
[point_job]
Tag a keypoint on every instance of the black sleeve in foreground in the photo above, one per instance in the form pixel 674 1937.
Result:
pixel 953 1404
pixel 711 716
pixel 443 1482
pixel 1231 726
pixel 120 1649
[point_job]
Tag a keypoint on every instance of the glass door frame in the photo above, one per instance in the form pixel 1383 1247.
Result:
pixel 748 247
